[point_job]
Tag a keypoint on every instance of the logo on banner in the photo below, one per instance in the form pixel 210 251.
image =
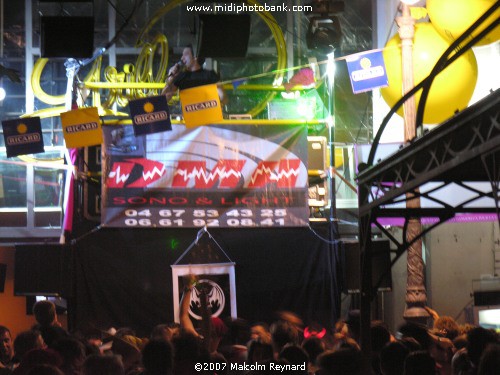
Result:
pixel 121 172
pixel 150 115
pixel 81 127
pixel 23 136
pixel 201 105
pixel 215 295
pixel 367 71
pixel 225 175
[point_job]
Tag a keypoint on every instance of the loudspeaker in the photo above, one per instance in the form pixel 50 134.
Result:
pixel 92 186
pixel 487 298
pixel 67 37
pixel 381 263
pixel 316 153
pixel 223 35
pixel 42 270
pixel 3 276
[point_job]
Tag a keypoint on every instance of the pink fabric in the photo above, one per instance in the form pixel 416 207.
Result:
pixel 68 210
pixel 304 77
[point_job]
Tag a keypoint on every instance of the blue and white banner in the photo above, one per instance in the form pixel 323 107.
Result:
pixel 367 71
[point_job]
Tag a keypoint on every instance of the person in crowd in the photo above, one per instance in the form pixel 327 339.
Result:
pixel 72 352
pixel 259 331
pixel 353 324
pixel 124 331
pixel 192 345
pixel 313 346
pixel 342 361
pixel 283 333
pixel 478 339
pixel 129 348
pixel 97 364
pixel 259 351
pixel 44 370
pixel 441 348
pixel 416 331
pixel 188 350
pixel 36 357
pixel 233 344
pixel 380 336
pixel 165 331
pixel 446 326
pixel 47 323
pixel 489 364
pixel 6 350
pixel 213 328
pixel 26 341
pixel 295 355
pixel 157 357
pixel 392 358
pixel 420 363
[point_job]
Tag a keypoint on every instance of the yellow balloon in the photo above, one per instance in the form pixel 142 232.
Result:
pixel 451 90
pixel 452 17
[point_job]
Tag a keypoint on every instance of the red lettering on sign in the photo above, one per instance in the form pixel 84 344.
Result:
pixel 226 172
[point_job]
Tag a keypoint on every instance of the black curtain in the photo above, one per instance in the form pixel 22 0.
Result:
pixel 124 277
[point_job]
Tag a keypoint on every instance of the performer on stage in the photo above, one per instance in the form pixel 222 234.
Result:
pixel 189 74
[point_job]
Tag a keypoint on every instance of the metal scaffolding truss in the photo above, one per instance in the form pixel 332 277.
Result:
pixel 461 155
pixel 453 169
pixel 462 149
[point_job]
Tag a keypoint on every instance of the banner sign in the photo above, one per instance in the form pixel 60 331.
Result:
pixel 150 115
pixel 367 71
pixel 23 136
pixel 201 105
pixel 81 127
pixel 213 176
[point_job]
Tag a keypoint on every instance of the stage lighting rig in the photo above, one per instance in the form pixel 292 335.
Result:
pixel 325 7
pixel 324 33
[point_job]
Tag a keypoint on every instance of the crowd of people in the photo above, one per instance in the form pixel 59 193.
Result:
pixel 233 346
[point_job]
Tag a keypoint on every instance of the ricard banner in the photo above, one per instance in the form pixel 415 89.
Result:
pixel 213 176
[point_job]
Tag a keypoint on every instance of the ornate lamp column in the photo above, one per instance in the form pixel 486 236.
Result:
pixel 416 296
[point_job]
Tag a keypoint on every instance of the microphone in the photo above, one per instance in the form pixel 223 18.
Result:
pixel 177 65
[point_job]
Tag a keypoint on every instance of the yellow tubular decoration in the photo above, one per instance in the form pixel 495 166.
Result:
pixel 56 111
pixel 161 42
pixel 33 160
pixel 37 89
pixel 270 21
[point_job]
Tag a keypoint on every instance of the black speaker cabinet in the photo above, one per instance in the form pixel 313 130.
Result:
pixel 3 276
pixel 223 35
pixel 381 261
pixel 42 270
pixel 67 37
pixel 487 298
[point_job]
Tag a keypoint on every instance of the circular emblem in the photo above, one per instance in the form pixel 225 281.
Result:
pixel 22 128
pixel 148 107
pixel 365 63
pixel 215 299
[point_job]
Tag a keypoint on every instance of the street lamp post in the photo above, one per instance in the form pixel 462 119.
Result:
pixel 416 295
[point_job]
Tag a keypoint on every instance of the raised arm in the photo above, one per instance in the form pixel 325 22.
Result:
pixel 184 319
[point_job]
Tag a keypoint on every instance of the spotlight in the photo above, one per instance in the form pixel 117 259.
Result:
pixel 3 94
pixel 324 34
